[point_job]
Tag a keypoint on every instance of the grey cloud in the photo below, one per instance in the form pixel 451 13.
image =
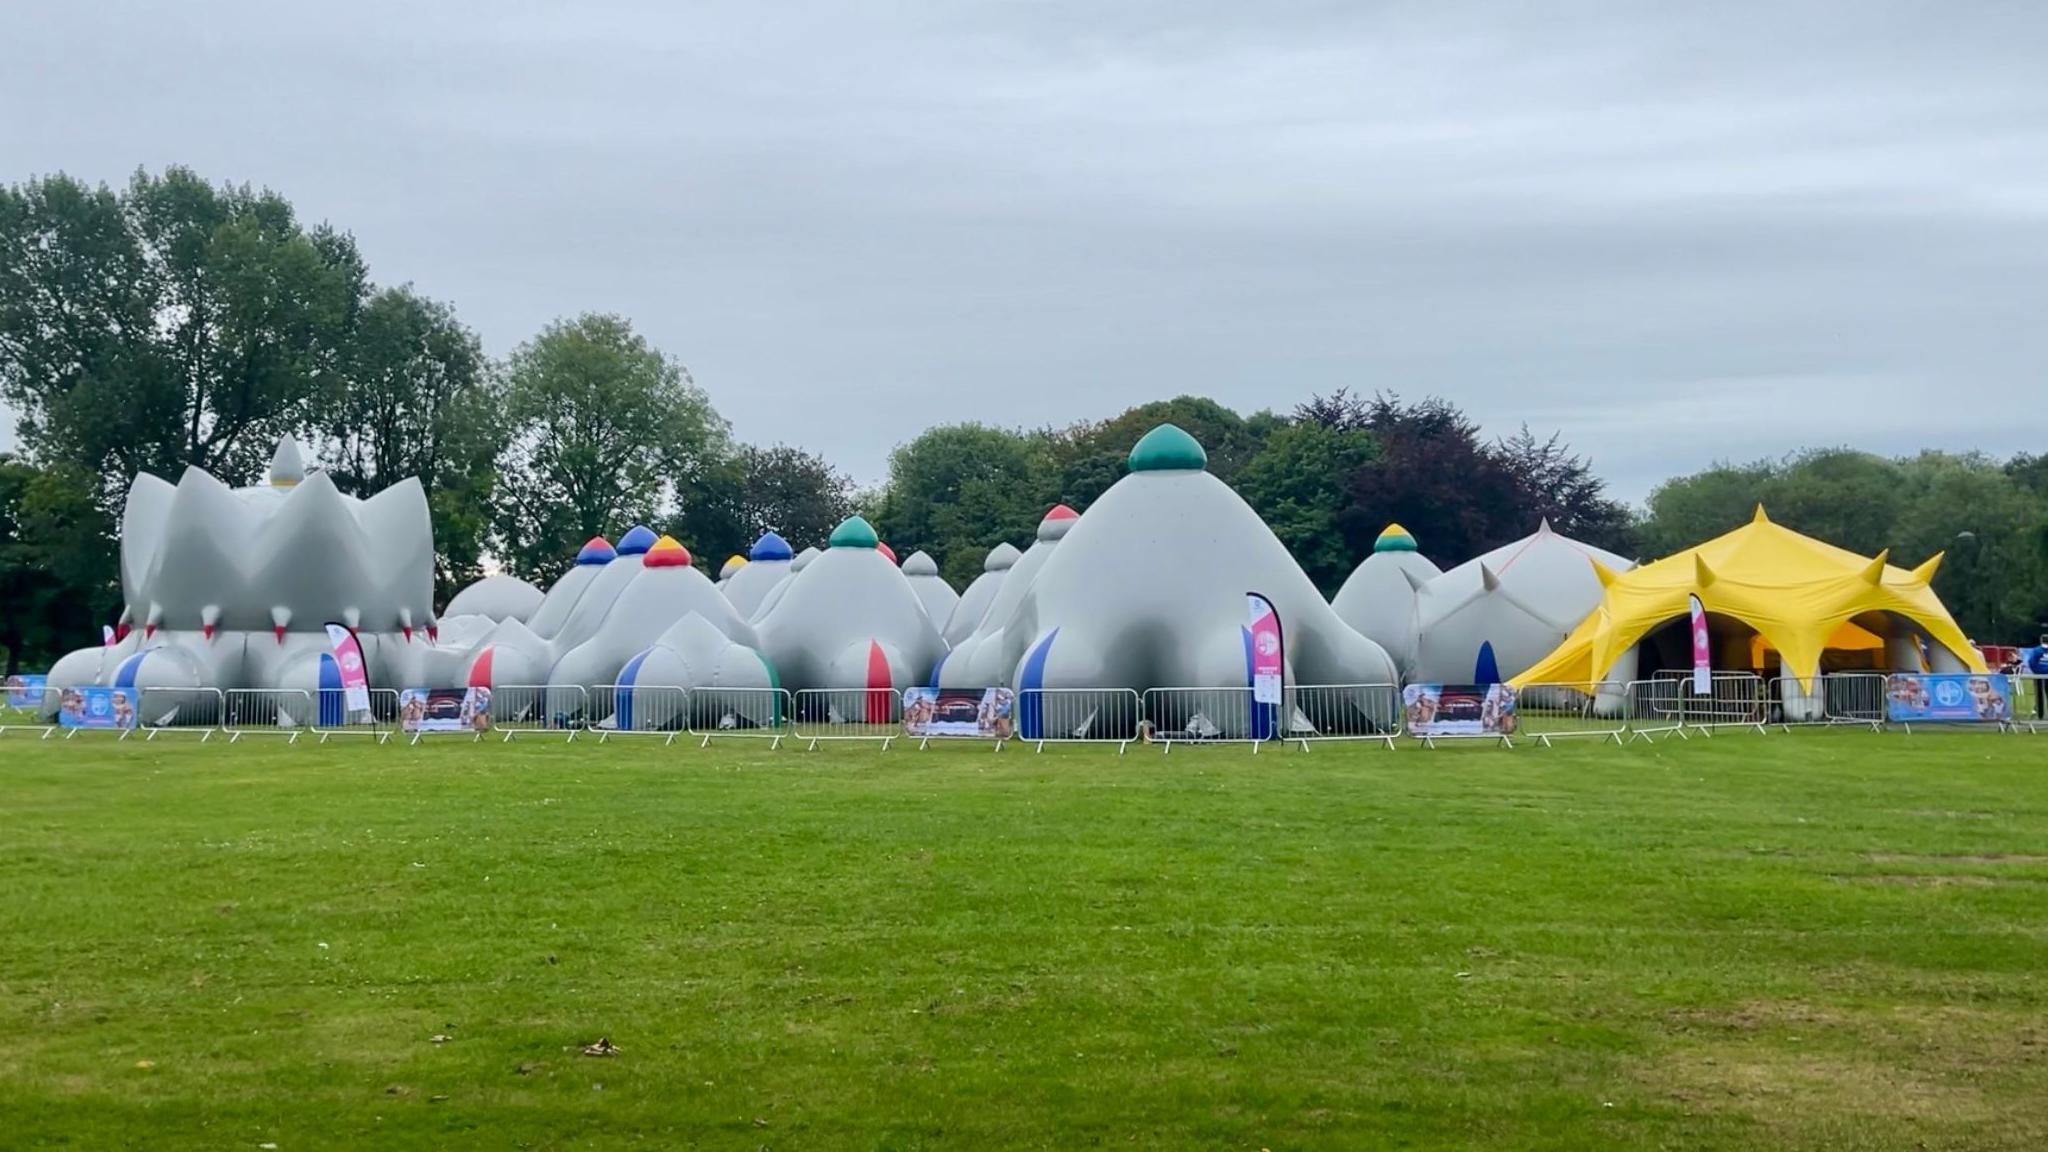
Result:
pixel 1722 231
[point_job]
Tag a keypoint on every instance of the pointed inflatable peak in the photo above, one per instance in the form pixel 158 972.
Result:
pixel 1062 512
pixel 1760 517
pixel 1416 582
pixel 887 552
pixel 596 550
pixel 771 546
pixel 920 563
pixel 1925 572
pixel 1000 557
pixel 1607 575
pixel 853 532
pixel 1873 573
pixel 803 558
pixel 1394 538
pixel 1701 574
pixel 287 466
pixel 1543 527
pixel 1168 449
pixel 1488 579
pixel 667 552
pixel 638 539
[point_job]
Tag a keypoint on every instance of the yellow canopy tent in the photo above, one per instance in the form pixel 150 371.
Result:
pixel 1796 593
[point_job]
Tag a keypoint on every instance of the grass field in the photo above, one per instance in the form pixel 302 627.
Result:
pixel 1817 940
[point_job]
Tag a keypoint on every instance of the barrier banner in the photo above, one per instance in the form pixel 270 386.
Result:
pixel 26 691
pixel 348 655
pixel 1459 709
pixel 97 708
pixel 444 709
pixel 1269 665
pixel 1919 697
pixel 979 712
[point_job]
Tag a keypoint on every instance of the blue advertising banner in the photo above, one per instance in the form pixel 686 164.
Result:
pixel 1459 709
pixel 26 691
pixel 97 708
pixel 1965 697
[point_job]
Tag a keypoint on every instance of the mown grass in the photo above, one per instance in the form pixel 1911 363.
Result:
pixel 1816 940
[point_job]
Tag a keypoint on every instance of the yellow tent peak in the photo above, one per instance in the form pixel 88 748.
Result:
pixel 1873 575
pixel 1760 517
pixel 1606 574
pixel 1925 572
pixel 1702 575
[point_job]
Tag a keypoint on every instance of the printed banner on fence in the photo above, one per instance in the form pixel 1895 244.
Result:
pixel 348 655
pixel 97 708
pixel 980 712
pixel 1459 709
pixel 26 691
pixel 1925 698
pixel 1702 651
pixel 444 709
pixel 1269 663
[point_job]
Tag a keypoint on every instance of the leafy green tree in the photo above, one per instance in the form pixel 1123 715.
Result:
pixel 1089 457
pixel 960 489
pixel 1559 486
pixel 175 323
pixel 1299 483
pixel 56 583
pixel 606 431
pixel 416 398
pixel 756 490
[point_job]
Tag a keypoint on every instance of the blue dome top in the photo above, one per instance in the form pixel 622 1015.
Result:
pixel 771 546
pixel 637 540
pixel 597 550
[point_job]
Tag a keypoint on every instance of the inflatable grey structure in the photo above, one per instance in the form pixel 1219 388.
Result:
pixel 768 563
pixel 933 592
pixel 849 620
pixel 980 660
pixel 973 605
pixel 1492 618
pixel 229 588
pixel 1378 598
pixel 1148 590
pixel 497 598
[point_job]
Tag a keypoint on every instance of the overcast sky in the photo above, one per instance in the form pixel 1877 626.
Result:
pixel 1677 233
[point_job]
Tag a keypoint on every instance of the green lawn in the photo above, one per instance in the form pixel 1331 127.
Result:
pixel 1816 940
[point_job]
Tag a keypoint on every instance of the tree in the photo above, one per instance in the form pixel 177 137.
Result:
pixel 1559 486
pixel 1299 483
pixel 960 489
pixel 415 399
pixel 756 490
pixel 56 581
pixel 1089 457
pixel 176 323
pixel 1432 474
pixel 606 431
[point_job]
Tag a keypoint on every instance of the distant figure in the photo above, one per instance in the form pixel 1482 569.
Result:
pixel 2037 668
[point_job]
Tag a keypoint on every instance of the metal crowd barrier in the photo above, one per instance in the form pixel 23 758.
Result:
pixel 746 713
pixel 517 709
pixel 161 710
pixel 1208 716
pixel 640 710
pixel 1547 712
pixel 30 718
pixel 847 714
pixel 333 718
pixel 1318 713
pixel 1079 716
pixel 2029 697
pixel 1852 698
pixel 267 711
pixel 1668 702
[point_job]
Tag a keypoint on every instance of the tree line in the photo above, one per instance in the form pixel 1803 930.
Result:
pixel 174 322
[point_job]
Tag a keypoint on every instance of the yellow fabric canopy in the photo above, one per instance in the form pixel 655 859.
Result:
pixel 1796 592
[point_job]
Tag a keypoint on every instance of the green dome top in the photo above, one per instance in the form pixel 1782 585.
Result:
pixel 1394 539
pixel 853 532
pixel 1168 449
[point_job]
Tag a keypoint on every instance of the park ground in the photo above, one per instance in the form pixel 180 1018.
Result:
pixel 1806 940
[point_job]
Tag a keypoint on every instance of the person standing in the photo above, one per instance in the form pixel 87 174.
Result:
pixel 2037 669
